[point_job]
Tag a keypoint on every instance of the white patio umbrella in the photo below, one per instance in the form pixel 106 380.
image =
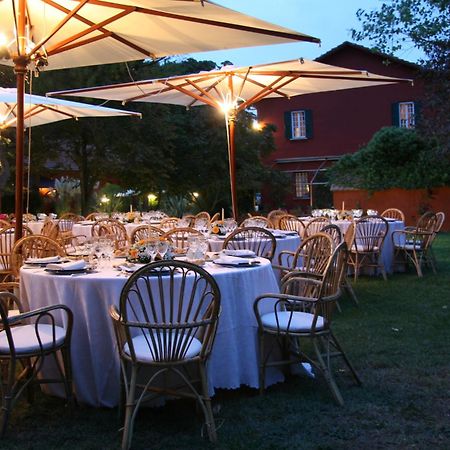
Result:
pixel 57 34
pixel 40 110
pixel 233 89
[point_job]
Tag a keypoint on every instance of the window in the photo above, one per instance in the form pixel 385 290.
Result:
pixel 406 115
pixel 301 184
pixel 298 124
pixel 298 120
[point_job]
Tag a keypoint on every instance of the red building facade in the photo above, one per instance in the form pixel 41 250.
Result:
pixel 315 130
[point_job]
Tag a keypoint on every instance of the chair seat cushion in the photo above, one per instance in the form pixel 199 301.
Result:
pixel 144 348
pixel 363 249
pixel 409 247
pixel 299 321
pixel 26 341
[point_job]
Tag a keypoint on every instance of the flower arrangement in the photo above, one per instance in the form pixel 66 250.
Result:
pixel 218 228
pixel 131 217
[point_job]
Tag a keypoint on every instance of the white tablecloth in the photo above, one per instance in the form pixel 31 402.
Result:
pixel 387 252
pixel 95 361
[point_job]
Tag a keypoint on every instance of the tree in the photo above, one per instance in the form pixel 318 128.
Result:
pixel 394 158
pixel 424 24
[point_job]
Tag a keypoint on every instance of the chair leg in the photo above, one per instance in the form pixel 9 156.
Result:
pixel 8 396
pixel 349 289
pixel 326 370
pixel 336 344
pixel 67 374
pixel 209 417
pixel 129 410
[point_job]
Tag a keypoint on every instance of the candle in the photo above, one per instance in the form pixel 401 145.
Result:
pixel 343 206
pixel 223 214
pixel 131 207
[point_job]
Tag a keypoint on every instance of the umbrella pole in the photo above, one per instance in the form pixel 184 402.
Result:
pixel 232 162
pixel 20 69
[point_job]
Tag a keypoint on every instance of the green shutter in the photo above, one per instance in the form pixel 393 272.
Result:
pixel 309 123
pixel 288 125
pixel 395 114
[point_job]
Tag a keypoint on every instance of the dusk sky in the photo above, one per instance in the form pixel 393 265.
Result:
pixel 328 20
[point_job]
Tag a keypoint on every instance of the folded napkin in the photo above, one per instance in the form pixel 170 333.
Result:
pixel 129 267
pixel 48 259
pixel 71 265
pixel 234 261
pixel 240 253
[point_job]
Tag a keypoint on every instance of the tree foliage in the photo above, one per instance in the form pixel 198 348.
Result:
pixel 424 24
pixel 394 158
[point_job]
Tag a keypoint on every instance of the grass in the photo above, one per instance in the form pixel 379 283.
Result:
pixel 398 339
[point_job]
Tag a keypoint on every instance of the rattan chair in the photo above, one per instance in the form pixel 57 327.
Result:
pixel 291 223
pixel 315 225
pixel 275 215
pixel 303 310
pixel 65 226
pixel 50 229
pixel 259 240
pixel 312 255
pixel 35 246
pixel 431 258
pixel 7 240
pixel 94 216
pixel 215 217
pixel 203 215
pixel 365 248
pixel 179 238
pixel 144 232
pixel 25 340
pixel 166 321
pixel 413 244
pixel 335 232
pixel 112 228
pixel 4 223
pixel 393 213
pixel 168 223
pixel 13 305
pixel 257 221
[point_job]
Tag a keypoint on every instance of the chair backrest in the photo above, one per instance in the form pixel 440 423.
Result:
pixel 7 241
pixel 275 215
pixel 369 234
pixel 35 246
pixel 291 223
pixel 313 254
pixel 259 240
pixel 94 216
pixel 179 237
pixel 393 213
pixel 144 232
pixel 4 223
pixel 50 229
pixel 257 221
pixel 166 306
pixel 112 228
pixel 426 230
pixel 168 223
pixel 440 221
pixel 315 225
pixel 325 293
pixel 10 298
pixel 203 215
pixel 334 231
pixel 215 217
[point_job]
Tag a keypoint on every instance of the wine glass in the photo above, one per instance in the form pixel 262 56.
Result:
pixel 162 247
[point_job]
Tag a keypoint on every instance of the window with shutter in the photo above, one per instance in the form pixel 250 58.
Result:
pixel 301 184
pixel 298 124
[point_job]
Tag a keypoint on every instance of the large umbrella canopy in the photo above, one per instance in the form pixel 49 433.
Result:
pixel 234 89
pixel 72 33
pixel 41 110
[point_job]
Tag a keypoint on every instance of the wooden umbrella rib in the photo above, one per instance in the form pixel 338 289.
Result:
pixel 204 93
pixel 154 12
pixel 261 85
pixel 264 92
pixel 67 17
pixel 106 32
pixel 194 95
pixel 65 42
pixel 78 44
pixel 210 88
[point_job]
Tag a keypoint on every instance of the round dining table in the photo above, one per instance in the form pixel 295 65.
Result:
pixel 95 361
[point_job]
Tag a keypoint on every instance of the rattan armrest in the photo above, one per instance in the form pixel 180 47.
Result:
pixel 284 252
pixel 37 312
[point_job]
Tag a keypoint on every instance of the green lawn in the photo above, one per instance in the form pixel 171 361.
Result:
pixel 398 339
